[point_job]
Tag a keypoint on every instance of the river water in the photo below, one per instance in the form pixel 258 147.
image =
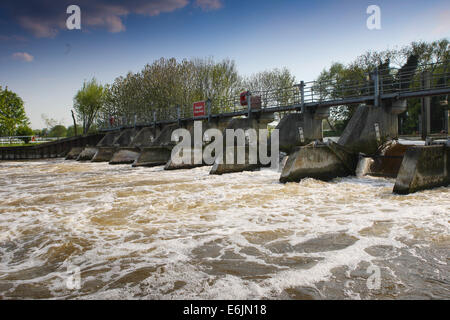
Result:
pixel 146 233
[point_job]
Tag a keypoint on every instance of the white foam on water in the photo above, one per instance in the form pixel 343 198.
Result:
pixel 150 233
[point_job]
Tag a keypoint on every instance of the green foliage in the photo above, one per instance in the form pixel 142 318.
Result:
pixel 12 112
pixel 332 81
pixel 58 131
pixel 167 83
pixel 269 85
pixel 87 103
pixel 24 131
pixel 70 131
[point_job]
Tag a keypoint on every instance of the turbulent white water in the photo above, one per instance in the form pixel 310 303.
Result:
pixel 150 233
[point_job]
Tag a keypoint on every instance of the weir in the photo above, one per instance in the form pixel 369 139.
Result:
pixel 129 154
pixel 220 164
pixel 158 152
pixel 89 151
pixel 299 129
pixel 54 149
pixel 369 129
pixel 369 138
pixel 424 167
pixel 219 124
pixel 106 152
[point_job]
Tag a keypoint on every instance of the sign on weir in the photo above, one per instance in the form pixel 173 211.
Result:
pixel 199 109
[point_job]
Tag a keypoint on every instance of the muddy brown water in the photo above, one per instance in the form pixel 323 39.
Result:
pixel 146 233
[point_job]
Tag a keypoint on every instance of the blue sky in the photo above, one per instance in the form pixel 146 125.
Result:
pixel 46 64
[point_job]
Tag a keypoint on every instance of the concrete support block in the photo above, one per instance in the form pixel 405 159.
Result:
pixel 388 162
pixel 153 156
pixel 145 137
pixel 298 129
pixel 368 129
pixel 164 138
pixel 222 168
pixel 423 167
pixel 104 154
pixel 86 155
pixel 322 162
pixel 136 139
pixel 125 155
pixel 244 124
pixel 108 139
pixel 172 165
pixel 220 125
pixel 111 143
pixel 125 138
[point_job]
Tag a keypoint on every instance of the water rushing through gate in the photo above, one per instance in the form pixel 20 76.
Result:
pixel 149 233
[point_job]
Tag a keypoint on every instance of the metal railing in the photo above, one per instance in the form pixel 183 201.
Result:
pixel 21 139
pixel 366 87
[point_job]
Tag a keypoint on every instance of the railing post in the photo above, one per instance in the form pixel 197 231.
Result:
pixel 179 114
pixel 376 87
pixel 154 118
pixel 425 106
pixel 302 95
pixel 208 105
pixel 249 103
pixel 135 120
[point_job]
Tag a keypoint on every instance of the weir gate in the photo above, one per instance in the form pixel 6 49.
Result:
pixel 368 144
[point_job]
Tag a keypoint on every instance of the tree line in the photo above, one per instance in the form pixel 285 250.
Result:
pixel 166 83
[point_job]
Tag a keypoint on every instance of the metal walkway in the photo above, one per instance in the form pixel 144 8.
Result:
pixel 371 88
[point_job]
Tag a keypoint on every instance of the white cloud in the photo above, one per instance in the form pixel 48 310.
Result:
pixel 44 19
pixel 22 56
pixel 38 27
pixel 208 5
pixel 108 14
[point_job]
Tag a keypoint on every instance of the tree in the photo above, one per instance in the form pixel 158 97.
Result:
pixel 49 122
pixel 87 103
pixel 394 66
pixel 25 131
pixel 58 131
pixel 269 85
pixel 168 83
pixel 12 112
pixel 70 131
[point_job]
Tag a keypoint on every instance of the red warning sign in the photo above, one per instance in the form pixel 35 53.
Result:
pixel 199 109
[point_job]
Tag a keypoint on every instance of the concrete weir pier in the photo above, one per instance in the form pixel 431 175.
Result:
pixel 220 165
pixel 197 133
pixel 106 152
pixel 129 154
pixel 74 153
pixel 90 151
pixel 87 154
pixel 159 151
pixel 299 129
pixel 319 161
pixel 424 167
pixel 368 130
